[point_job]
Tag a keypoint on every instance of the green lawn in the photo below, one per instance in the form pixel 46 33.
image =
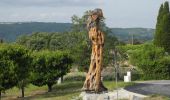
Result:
pixel 64 91
pixel 157 97
pixel 112 85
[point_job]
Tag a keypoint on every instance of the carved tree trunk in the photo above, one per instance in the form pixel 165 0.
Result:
pixel 93 79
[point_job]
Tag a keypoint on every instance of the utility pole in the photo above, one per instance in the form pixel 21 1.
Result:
pixel 132 38
pixel 116 69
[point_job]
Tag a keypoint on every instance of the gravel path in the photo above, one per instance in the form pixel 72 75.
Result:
pixel 151 87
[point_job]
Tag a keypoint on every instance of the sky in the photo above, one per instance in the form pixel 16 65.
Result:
pixel 118 13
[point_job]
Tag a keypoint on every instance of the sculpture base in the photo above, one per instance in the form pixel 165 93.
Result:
pixel 112 95
pixel 102 89
pixel 95 96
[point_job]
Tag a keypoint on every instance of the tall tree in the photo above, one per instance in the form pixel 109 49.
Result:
pixel 166 8
pixel 162 33
pixel 157 37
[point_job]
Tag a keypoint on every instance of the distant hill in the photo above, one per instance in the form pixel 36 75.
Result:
pixel 10 31
pixel 141 34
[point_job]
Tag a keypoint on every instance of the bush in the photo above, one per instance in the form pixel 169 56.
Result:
pixel 49 66
pixel 152 62
pixel 136 75
pixel 109 77
pixel 76 76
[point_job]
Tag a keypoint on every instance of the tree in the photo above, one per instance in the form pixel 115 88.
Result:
pixel 151 61
pixel 7 75
pixel 79 25
pixel 48 66
pixel 16 62
pixel 22 60
pixel 36 41
pixel 162 33
pixel 76 41
pixel 166 8
pixel 166 35
pixel 158 31
pixel 22 40
pixel 1 41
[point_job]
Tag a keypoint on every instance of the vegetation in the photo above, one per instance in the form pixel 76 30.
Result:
pixel 7 76
pixel 42 57
pixel 15 66
pixel 151 61
pixel 75 76
pixel 48 66
pixel 76 42
pixel 162 33
pixel 156 97
pixel 66 91
pixel 10 31
pixel 140 35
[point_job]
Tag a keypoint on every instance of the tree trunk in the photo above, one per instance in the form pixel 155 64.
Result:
pixel 93 79
pixel 49 87
pixel 0 94
pixel 62 79
pixel 22 91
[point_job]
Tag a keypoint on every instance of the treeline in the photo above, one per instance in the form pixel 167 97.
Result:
pixel 10 31
pixel 139 35
pixel 76 43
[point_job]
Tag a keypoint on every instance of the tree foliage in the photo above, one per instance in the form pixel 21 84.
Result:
pixel 76 41
pixel 162 33
pixel 48 66
pixel 151 61
pixel 79 24
pixel 7 74
pixel 15 66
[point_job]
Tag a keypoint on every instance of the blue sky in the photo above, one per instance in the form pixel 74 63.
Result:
pixel 118 13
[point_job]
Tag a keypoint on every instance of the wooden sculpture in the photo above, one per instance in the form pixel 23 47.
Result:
pixel 93 79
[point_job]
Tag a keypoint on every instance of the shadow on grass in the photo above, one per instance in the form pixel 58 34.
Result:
pixel 59 90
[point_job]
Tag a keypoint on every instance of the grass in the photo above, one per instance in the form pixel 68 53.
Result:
pixel 64 91
pixel 111 85
pixel 157 97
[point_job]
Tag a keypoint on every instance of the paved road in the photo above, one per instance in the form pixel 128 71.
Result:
pixel 151 87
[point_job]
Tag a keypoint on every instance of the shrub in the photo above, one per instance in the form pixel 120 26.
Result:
pixel 152 62
pixel 49 66
pixel 109 77
pixel 76 76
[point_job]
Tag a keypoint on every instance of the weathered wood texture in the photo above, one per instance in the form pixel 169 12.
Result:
pixel 93 79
